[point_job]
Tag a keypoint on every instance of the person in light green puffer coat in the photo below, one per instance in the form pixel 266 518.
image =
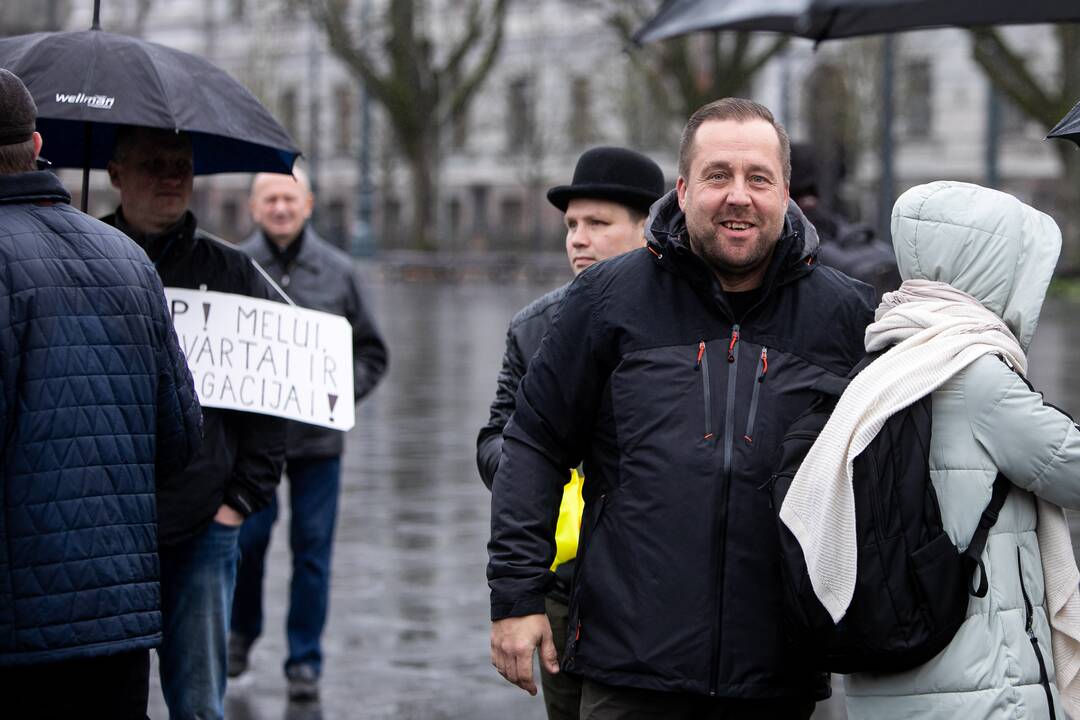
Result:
pixel 1003 253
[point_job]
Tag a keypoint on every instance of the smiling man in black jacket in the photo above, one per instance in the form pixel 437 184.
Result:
pixel 200 510
pixel 672 372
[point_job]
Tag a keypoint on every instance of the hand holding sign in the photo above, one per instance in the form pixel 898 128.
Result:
pixel 266 357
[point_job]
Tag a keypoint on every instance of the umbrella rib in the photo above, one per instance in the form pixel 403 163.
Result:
pixel 145 48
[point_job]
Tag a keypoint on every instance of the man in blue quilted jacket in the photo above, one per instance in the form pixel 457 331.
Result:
pixel 95 401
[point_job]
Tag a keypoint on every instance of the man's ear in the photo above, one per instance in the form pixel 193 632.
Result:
pixel 38 142
pixel 680 191
pixel 114 174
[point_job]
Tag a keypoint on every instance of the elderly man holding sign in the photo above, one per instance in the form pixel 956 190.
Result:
pixel 316 275
pixel 200 509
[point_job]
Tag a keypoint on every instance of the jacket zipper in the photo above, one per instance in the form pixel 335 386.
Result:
pixel 702 365
pixel 759 378
pixel 1044 680
pixel 718 537
pixel 580 574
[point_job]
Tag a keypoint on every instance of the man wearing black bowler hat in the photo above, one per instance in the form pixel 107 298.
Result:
pixel 605 208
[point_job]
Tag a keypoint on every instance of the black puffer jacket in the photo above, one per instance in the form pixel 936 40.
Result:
pixel 676 409
pixel 242 453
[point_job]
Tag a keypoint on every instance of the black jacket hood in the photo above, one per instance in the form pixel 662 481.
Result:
pixel 666 230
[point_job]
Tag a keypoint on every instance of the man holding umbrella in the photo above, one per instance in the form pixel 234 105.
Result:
pixel 200 510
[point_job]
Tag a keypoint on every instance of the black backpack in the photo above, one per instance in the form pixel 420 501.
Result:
pixel 912 584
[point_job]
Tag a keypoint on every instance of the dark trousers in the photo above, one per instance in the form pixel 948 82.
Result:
pixel 562 691
pixel 111 686
pixel 606 702
pixel 313 501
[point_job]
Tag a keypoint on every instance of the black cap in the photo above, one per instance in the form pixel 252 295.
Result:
pixel 612 173
pixel 18 113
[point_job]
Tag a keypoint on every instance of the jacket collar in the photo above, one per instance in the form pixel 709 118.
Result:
pixel 36 186
pixel 178 237
pixel 795 254
pixel 307 257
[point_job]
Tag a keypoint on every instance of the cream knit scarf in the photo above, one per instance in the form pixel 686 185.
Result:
pixel 934 331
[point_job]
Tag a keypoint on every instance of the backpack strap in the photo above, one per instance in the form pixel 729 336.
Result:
pixel 972 557
pixel 861 365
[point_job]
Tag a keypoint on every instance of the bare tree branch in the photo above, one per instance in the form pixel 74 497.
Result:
pixel 1010 74
pixel 466 89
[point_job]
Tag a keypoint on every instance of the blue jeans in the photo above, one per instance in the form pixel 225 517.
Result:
pixel 313 500
pixel 197 580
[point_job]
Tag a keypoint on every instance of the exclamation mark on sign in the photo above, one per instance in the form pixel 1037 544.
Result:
pixel 205 314
pixel 333 402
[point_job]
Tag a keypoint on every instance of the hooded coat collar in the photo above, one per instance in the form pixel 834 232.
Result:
pixel 665 235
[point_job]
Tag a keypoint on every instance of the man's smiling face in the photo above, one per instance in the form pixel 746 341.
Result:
pixel 735 198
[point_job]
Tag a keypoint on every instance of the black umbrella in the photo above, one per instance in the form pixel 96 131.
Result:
pixel 1069 127
pixel 87 83
pixel 826 19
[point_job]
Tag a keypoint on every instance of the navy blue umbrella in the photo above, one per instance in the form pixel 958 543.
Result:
pixel 87 83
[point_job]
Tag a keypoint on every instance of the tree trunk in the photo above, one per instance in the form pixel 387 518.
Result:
pixel 423 169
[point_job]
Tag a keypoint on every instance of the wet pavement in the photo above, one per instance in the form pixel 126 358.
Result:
pixel 408 630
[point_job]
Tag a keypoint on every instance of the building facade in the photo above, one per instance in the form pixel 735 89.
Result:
pixel 564 81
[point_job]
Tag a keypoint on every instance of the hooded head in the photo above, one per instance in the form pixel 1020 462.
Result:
pixel 981 241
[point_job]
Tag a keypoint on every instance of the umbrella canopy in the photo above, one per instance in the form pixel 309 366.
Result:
pixel 87 83
pixel 827 19
pixel 1069 127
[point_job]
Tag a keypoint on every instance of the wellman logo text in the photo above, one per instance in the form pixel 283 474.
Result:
pixel 101 102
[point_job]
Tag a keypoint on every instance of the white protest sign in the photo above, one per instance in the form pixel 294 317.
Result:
pixel 266 357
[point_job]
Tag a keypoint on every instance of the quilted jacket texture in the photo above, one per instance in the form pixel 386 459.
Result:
pixel 96 398
pixel 1002 252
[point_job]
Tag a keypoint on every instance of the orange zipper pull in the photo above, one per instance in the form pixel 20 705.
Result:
pixel 731 346
pixel 700 352
pixel 764 364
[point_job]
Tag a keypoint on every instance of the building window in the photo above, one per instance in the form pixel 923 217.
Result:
pixel 335 223
pixel 343 100
pixel 391 220
pixel 287 105
pixel 521 125
pixel 917 106
pixel 512 215
pixel 230 218
pixel 581 118
pixel 453 217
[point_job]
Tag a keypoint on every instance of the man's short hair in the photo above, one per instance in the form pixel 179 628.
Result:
pixel 128 136
pixel 739 110
pixel 17 158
